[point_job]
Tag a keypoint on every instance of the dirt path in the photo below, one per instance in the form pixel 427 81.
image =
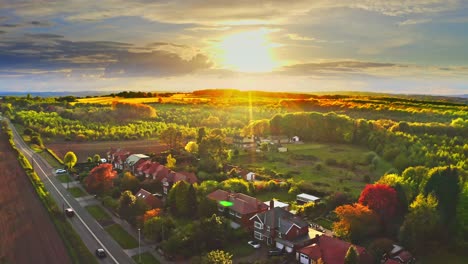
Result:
pixel 27 234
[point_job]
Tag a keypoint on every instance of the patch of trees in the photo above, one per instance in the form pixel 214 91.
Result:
pixel 133 110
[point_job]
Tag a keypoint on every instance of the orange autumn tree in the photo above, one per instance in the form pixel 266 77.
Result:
pixel 100 179
pixel 151 213
pixel 356 222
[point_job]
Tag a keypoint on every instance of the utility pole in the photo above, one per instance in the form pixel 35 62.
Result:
pixel 139 248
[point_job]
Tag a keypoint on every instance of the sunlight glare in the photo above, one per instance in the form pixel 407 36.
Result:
pixel 248 52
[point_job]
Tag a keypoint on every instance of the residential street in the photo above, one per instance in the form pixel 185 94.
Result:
pixel 90 231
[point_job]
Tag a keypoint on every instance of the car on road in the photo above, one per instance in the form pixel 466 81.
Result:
pixel 101 253
pixel 69 212
pixel 60 171
pixel 254 244
pixel 103 160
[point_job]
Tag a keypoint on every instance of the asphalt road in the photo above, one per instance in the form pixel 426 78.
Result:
pixel 92 234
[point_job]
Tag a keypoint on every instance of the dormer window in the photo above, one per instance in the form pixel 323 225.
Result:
pixel 258 225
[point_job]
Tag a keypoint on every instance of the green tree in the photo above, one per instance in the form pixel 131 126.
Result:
pixel 192 147
pixel 129 182
pixel 421 229
pixel 444 184
pixel 180 200
pixel 96 158
pixel 236 185
pixel 158 228
pixel 70 160
pixel 351 256
pixel 170 162
pixel 127 202
pixel 172 137
pixel 217 257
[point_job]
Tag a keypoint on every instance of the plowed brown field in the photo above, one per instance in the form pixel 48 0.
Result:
pixel 88 149
pixel 27 234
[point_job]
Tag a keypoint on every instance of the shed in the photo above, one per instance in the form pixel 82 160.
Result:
pixel 306 198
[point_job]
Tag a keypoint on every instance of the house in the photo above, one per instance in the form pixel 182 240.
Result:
pixel 151 200
pixel 295 139
pixel 133 159
pixel 306 198
pixel 280 139
pixel 282 229
pixel 244 142
pixel 172 177
pixel 238 207
pixel 331 250
pixel 141 166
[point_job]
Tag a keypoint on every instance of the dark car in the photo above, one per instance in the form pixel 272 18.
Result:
pixel 101 253
pixel 275 252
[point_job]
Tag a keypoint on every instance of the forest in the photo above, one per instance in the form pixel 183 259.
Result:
pixel 422 140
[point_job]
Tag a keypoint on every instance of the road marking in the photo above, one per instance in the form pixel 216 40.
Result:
pixel 82 221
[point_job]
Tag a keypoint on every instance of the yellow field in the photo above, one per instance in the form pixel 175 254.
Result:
pixel 110 99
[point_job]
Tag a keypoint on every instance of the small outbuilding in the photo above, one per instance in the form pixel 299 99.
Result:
pixel 307 198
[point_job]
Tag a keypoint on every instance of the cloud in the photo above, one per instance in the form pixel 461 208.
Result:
pixel 414 22
pixel 366 69
pixel 42 53
pixel 298 37
pixel 334 66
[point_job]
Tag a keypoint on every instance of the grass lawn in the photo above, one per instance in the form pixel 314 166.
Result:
pixel 64 178
pixel 50 159
pixel 76 192
pixel 98 213
pixel 311 162
pixel 325 223
pixel 240 249
pixel 125 240
pixel 146 258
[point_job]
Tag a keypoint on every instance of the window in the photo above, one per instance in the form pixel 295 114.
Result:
pixel 258 235
pixel 258 225
pixel 221 209
pixel 231 212
pixel 268 228
pixel 238 215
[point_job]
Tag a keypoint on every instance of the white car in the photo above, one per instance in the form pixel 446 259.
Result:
pixel 254 244
pixel 103 160
pixel 60 171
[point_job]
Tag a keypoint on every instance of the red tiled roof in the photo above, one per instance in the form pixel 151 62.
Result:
pixel 151 200
pixel 333 250
pixel 391 261
pixel 242 203
pixel 313 251
pixel 143 166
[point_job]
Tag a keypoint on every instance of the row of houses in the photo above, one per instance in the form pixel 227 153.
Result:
pixel 273 224
pixel 141 165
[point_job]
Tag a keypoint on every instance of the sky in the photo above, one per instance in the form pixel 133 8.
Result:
pixel 410 47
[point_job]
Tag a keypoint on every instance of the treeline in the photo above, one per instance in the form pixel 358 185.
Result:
pixel 446 145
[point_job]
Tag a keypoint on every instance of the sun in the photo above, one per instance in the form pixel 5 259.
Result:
pixel 248 51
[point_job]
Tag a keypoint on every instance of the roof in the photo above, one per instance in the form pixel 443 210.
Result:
pixel 242 203
pixel 277 204
pixel 333 250
pixel 281 219
pixel 134 158
pixel 149 198
pixel 307 197
pixel 174 177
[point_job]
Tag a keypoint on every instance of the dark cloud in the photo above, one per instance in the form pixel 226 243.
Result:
pixel 40 23
pixel 9 25
pixel 158 44
pixel 156 63
pixel 50 52
pixel 2 32
pixel 335 66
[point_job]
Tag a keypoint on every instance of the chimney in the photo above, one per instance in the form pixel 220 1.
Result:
pixel 272 204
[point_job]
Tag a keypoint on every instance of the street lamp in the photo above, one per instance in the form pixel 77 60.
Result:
pixel 139 249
